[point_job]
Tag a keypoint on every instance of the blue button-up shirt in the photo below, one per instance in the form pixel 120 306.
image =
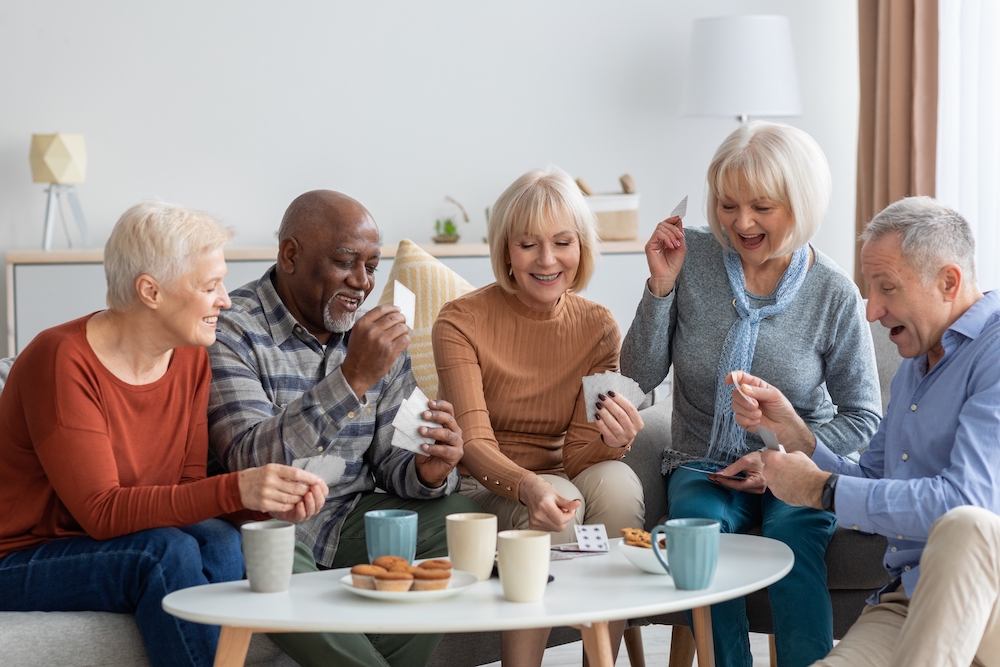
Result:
pixel 937 448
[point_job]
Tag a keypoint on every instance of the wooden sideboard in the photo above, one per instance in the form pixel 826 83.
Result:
pixel 47 288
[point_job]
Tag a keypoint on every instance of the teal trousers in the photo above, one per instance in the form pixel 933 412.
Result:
pixel 330 649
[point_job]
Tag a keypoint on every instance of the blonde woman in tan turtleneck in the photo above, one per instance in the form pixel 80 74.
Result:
pixel 511 357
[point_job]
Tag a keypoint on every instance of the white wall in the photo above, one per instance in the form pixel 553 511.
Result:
pixel 238 106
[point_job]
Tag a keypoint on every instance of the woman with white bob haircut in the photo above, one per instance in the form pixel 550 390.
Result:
pixel 751 294
pixel 511 357
pixel 104 500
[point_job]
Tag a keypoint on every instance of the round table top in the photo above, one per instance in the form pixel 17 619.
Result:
pixel 588 589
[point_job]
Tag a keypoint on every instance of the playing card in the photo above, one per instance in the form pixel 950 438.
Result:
pixel 406 301
pixel 769 437
pixel 592 537
pixel 681 209
pixel 602 383
pixel 408 420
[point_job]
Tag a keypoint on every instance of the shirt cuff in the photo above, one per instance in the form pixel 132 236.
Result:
pixel 850 500
pixel 824 458
pixel 336 394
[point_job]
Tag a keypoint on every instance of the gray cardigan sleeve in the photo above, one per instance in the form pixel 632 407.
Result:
pixel 645 355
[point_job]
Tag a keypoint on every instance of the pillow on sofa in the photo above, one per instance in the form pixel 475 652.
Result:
pixel 434 285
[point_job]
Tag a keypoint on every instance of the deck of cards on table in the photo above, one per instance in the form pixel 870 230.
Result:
pixel 607 381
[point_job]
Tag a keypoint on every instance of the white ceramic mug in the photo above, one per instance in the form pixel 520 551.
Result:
pixel 269 553
pixel 523 558
pixel 472 542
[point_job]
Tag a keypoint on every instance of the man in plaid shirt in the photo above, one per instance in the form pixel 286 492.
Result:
pixel 299 379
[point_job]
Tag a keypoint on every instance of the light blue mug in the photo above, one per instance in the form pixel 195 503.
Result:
pixel 391 533
pixel 692 550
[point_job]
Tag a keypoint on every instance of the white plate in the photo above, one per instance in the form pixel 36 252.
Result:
pixel 459 582
pixel 642 558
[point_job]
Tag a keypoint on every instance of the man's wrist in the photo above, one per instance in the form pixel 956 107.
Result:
pixel 828 499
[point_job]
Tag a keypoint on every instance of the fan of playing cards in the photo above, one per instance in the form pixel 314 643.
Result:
pixel 609 381
pixel 408 420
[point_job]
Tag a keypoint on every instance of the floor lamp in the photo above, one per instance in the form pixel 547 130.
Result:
pixel 741 66
pixel 60 160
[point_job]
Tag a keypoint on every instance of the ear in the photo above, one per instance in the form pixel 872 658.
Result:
pixel 288 255
pixel 950 281
pixel 149 291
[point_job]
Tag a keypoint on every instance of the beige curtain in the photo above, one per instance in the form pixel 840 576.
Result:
pixel 897 133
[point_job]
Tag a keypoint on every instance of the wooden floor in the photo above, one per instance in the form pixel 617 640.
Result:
pixel 655 641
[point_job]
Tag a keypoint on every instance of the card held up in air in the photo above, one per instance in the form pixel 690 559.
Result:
pixel 406 301
pixel 681 209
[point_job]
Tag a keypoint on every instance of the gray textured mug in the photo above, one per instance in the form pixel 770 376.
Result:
pixel 692 551
pixel 269 553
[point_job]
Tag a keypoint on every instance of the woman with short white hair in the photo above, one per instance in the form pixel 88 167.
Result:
pixel 104 500
pixel 511 358
pixel 751 294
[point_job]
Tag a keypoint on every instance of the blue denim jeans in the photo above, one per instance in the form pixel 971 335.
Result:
pixel 129 575
pixel 800 602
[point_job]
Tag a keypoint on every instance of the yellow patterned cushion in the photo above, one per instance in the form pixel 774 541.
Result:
pixel 434 285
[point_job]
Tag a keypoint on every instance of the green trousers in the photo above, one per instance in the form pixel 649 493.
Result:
pixel 329 649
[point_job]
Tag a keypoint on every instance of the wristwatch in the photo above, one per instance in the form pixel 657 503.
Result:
pixel 829 486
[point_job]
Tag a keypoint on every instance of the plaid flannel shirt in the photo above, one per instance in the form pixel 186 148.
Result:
pixel 278 396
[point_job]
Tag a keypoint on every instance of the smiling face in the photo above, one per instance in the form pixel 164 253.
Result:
pixel 326 265
pixel 916 314
pixel 190 309
pixel 759 227
pixel 544 265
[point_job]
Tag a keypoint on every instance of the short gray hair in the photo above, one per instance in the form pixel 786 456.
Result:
pixel 526 205
pixel 159 240
pixel 780 162
pixel 931 236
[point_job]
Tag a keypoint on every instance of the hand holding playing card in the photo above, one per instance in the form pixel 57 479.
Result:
pixel 429 429
pixel 665 251
pixel 547 510
pixel 611 400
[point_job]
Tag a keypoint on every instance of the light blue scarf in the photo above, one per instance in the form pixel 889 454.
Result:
pixel 728 438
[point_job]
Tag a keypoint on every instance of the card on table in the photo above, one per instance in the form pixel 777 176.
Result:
pixel 406 301
pixel 601 383
pixel 681 209
pixel 408 420
pixel 593 537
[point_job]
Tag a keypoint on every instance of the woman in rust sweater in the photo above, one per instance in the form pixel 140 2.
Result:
pixel 511 357
pixel 104 501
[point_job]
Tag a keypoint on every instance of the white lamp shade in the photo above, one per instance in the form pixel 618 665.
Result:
pixel 742 65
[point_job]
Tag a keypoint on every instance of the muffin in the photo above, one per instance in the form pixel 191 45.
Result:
pixel 363 576
pixel 430 579
pixel 388 561
pixel 401 566
pixel 393 581
pixel 436 564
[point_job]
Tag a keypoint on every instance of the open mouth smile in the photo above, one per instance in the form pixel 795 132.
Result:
pixel 545 278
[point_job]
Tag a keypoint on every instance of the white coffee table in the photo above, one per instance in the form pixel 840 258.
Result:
pixel 586 593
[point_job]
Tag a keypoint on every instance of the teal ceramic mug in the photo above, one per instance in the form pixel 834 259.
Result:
pixel 692 551
pixel 391 533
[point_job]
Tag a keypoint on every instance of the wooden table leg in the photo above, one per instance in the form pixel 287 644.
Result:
pixel 597 644
pixel 633 644
pixel 703 640
pixel 233 645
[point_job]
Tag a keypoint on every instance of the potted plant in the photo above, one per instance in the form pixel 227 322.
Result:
pixel 445 229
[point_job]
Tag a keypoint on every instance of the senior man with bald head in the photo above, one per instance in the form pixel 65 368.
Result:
pixel 298 378
pixel 930 480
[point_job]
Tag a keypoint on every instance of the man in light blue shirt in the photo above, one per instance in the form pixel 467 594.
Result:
pixel 937 448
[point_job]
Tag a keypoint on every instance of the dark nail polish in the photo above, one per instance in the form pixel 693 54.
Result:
pixel 603 397
pixel 599 406
pixel 597 417
pixel 612 394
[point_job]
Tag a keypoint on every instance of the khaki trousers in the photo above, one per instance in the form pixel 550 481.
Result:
pixel 953 619
pixel 609 491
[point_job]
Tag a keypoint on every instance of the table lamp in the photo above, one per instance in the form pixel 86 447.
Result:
pixel 741 66
pixel 60 160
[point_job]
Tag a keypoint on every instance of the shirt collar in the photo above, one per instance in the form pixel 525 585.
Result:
pixel 979 316
pixel 280 322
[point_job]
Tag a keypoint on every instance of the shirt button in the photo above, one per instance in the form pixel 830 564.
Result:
pixel 913 408
pixel 899 537
pixel 320 448
pixel 298 329
pixel 854 528
pixel 905 456
pixel 907 568
pixel 351 415
pixel 893 549
pixel 368 411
